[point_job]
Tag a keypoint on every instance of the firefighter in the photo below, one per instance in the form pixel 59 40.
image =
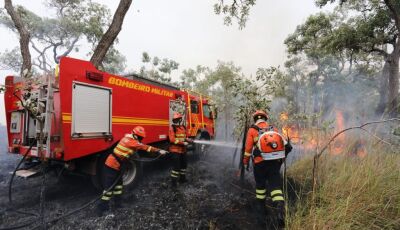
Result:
pixel 126 147
pixel 266 168
pixel 178 143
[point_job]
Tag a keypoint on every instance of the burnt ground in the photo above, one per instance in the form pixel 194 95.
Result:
pixel 212 199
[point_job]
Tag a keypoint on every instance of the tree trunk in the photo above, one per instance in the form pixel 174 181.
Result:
pixel 23 40
pixel 393 84
pixel 383 90
pixel 111 34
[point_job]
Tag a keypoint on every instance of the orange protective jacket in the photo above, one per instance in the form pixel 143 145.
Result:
pixel 126 147
pixel 176 138
pixel 251 141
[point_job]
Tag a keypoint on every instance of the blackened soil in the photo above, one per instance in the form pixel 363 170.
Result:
pixel 213 198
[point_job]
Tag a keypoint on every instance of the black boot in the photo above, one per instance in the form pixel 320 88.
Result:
pixel 117 201
pixel 174 182
pixel 102 207
pixel 182 178
pixel 279 214
pixel 260 212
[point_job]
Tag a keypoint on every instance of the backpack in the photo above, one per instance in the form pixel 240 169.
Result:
pixel 270 144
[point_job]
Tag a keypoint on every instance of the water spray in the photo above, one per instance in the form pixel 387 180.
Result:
pixel 217 143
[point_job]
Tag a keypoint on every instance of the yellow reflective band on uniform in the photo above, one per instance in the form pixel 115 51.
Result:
pixel 277 198
pixel 174 172
pixel 105 198
pixel 261 191
pixel 180 139
pixel 173 175
pixel 182 173
pixel 176 142
pixel 118 187
pixel 124 148
pixel 247 154
pixel 183 170
pixel 255 139
pixel 117 192
pixel 107 193
pixel 260 196
pixel 275 192
pixel 149 149
pixel 180 135
pixel 118 152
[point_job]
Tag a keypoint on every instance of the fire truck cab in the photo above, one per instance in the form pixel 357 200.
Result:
pixel 74 119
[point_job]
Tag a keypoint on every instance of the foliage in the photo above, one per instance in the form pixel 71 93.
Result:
pixel 156 69
pixel 354 193
pixel 234 10
pixel 11 59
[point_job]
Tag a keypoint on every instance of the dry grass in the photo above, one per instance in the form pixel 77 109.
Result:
pixel 353 192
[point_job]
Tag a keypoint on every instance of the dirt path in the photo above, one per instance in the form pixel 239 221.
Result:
pixel 207 201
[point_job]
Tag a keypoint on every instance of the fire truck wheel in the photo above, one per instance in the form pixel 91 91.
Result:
pixel 132 173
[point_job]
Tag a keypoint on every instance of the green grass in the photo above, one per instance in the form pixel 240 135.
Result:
pixel 353 192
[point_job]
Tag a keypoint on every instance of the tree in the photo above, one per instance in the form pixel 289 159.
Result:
pixel 234 10
pixel 75 20
pixel 372 27
pixel 24 38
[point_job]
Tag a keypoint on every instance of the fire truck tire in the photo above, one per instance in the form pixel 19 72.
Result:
pixel 133 173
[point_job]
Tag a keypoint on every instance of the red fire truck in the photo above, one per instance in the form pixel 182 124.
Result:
pixel 76 117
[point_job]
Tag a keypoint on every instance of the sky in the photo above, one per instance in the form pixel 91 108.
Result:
pixel 190 33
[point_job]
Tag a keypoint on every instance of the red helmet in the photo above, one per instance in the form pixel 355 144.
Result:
pixel 177 116
pixel 259 113
pixel 139 131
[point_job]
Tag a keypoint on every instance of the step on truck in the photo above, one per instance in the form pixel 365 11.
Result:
pixel 73 118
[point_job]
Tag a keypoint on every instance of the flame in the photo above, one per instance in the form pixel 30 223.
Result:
pixel 290 132
pixel 338 145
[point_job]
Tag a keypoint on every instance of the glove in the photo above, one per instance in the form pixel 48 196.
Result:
pixel 246 163
pixel 189 140
pixel 162 152
pixel 185 143
pixel 288 148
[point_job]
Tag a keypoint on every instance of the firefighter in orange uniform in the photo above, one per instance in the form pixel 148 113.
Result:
pixel 126 147
pixel 178 143
pixel 267 164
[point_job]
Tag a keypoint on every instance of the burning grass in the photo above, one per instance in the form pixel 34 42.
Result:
pixel 353 192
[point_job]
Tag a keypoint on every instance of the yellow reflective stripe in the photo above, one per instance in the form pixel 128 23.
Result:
pixel 182 173
pixel 261 191
pixel 180 139
pixel 183 170
pixel 247 154
pixel 107 193
pixel 278 191
pixel 173 175
pixel 180 135
pixel 277 198
pixel 117 192
pixel 123 148
pixel 174 172
pixel 260 196
pixel 255 139
pixel 176 142
pixel 118 187
pixel 106 198
pixel 118 152
pixel 149 149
